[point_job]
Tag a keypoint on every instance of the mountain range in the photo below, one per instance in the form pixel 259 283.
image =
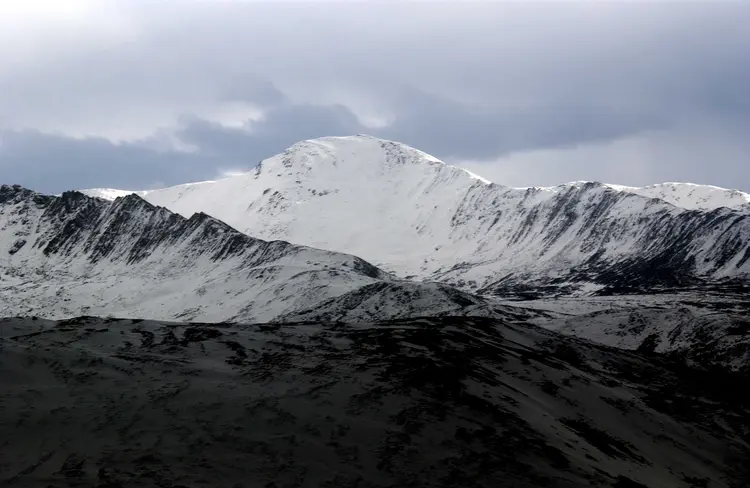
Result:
pixel 442 242
pixel 413 215
pixel 355 312
pixel 75 255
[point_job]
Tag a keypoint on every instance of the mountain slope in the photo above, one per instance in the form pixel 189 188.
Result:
pixel 397 300
pixel 690 196
pixel 411 214
pixel 707 326
pixel 73 254
pixel 431 402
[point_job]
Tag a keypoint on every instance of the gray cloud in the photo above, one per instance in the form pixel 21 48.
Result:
pixel 53 163
pixel 456 130
pixel 480 82
pixel 281 127
pixel 253 90
pixel 690 153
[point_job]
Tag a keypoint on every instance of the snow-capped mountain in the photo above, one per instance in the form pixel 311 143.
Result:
pixel 689 196
pixel 411 214
pixel 73 255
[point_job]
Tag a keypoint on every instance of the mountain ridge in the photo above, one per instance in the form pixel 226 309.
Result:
pixel 413 215
pixel 689 196
pixel 76 255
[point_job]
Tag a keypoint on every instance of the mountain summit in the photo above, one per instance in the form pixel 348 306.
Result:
pixel 355 192
pixel 414 215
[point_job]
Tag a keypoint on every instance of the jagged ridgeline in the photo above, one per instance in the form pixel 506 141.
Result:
pixel 410 213
pixel 75 255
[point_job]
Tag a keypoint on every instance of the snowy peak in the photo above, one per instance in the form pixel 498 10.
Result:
pixel 341 159
pixel 333 181
pixel 361 154
pixel 412 214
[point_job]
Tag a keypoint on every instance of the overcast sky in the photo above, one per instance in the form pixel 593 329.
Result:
pixel 142 94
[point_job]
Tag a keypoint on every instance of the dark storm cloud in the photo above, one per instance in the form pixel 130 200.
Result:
pixel 281 127
pixel 54 163
pixel 709 154
pixel 465 81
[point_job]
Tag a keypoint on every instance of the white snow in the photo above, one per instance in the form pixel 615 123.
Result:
pixel 363 187
pixel 108 193
pixel 411 214
pixel 689 196
pixel 184 271
pixel 178 279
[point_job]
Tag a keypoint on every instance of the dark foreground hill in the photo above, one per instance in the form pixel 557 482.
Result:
pixel 440 402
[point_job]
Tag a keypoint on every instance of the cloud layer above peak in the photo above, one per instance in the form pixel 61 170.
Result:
pixel 137 93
